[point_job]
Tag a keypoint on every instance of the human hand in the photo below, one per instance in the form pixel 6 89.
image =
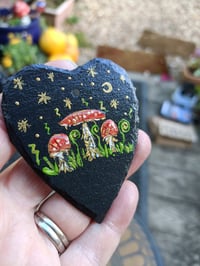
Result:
pixel 22 243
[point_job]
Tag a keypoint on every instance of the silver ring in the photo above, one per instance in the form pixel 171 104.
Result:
pixel 53 232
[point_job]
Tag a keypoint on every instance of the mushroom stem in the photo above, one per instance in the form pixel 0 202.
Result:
pixel 91 150
pixel 62 162
pixel 110 141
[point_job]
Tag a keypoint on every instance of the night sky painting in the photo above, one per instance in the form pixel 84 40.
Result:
pixel 77 129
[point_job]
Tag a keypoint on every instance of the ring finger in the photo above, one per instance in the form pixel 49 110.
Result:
pixel 69 219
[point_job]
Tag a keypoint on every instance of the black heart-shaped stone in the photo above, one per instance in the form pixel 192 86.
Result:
pixel 77 129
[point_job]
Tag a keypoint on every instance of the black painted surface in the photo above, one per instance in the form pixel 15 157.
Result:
pixel 39 101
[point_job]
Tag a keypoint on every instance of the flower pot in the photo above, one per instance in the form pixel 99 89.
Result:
pixel 189 77
pixel 32 29
pixel 56 17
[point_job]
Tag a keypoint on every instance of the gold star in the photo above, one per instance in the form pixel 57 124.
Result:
pixel 51 76
pixel 18 83
pixel 122 78
pixel 43 98
pixel 68 103
pixel 91 72
pixel 114 103
pixel 23 125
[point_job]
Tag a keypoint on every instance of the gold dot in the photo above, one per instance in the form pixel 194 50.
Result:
pixel 69 77
pixel 41 117
pixel 38 79
pixel 91 98
pixel 62 88
pixel 37 135
pixel 81 84
pixel 127 97
pixel 17 103
pixel 92 83
pixel 108 71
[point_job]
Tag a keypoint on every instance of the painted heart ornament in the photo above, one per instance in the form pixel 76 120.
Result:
pixel 77 129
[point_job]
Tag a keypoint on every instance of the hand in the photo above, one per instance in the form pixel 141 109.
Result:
pixel 22 243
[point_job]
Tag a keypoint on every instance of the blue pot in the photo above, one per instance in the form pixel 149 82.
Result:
pixel 33 29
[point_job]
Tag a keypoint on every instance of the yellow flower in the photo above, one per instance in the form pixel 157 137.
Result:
pixel 29 39
pixel 11 35
pixel 7 61
pixel 14 40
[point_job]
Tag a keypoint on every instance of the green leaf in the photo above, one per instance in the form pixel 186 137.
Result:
pixel 49 171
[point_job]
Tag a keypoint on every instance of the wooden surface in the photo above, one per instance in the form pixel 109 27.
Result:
pixel 166 45
pixel 174 192
pixel 134 60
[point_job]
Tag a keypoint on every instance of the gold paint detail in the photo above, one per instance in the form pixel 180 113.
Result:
pixel 127 97
pixel 62 88
pixel 17 103
pixel 57 111
pixel 109 87
pixel 38 79
pixel 51 76
pixel 91 72
pixel 69 78
pixel 68 103
pixel 23 125
pixel 18 83
pixel 102 107
pixel 41 117
pixel 37 135
pixel 114 103
pixel 43 98
pixel 108 71
pixel 122 78
pixel 126 235
pixel 92 83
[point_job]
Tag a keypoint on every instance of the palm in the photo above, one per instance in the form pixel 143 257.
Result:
pixel 20 239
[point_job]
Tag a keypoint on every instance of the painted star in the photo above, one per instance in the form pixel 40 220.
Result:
pixel 23 125
pixel 43 98
pixel 68 103
pixel 122 78
pixel 18 83
pixel 91 72
pixel 51 76
pixel 114 103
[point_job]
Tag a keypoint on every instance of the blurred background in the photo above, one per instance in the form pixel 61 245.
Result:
pixel 158 43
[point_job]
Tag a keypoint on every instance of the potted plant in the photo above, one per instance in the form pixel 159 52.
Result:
pixel 192 69
pixel 19 19
pixel 19 52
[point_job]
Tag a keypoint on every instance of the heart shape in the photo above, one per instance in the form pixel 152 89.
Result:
pixel 77 129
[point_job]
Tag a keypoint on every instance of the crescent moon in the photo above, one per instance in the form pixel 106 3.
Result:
pixel 109 87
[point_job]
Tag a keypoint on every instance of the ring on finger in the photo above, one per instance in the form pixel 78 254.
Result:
pixel 52 231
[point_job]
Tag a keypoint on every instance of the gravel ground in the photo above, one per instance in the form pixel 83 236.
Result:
pixel 121 23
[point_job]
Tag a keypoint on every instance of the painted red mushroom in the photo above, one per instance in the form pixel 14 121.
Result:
pixel 58 148
pixel 83 117
pixel 109 131
pixel 21 9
